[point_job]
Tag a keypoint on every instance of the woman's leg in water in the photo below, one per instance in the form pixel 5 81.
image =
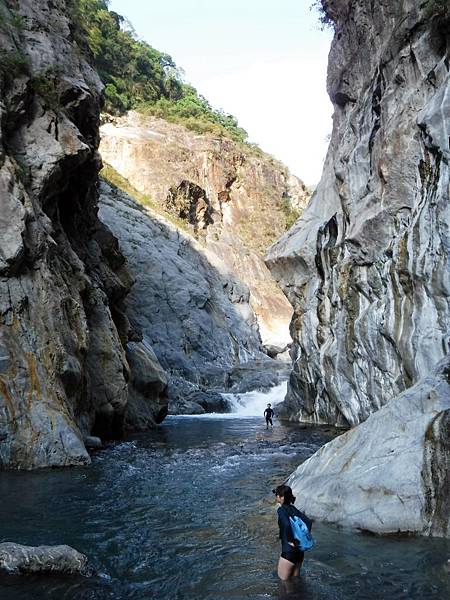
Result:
pixel 285 569
pixel 297 568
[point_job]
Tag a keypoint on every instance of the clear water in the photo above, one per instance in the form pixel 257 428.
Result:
pixel 186 512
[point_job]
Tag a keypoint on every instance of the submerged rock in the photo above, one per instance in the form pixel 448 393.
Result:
pixel 63 560
pixel 391 473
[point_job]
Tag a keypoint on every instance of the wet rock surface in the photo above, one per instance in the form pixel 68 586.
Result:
pixel 16 559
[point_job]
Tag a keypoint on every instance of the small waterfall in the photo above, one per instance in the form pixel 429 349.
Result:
pixel 253 404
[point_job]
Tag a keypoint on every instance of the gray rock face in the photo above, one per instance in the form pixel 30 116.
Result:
pixel 367 265
pixel 195 316
pixel 233 200
pixel 64 560
pixel 63 328
pixel 391 473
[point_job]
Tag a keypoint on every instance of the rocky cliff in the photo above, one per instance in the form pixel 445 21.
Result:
pixel 194 314
pixel 67 368
pixel 367 266
pixel 234 200
pixel 367 271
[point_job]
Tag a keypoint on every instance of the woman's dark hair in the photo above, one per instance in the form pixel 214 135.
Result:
pixel 284 491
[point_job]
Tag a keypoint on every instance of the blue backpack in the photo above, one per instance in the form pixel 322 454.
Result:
pixel 301 533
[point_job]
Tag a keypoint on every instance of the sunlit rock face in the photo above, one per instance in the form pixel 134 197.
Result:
pixel 367 266
pixel 64 373
pixel 391 473
pixel 230 198
pixel 193 314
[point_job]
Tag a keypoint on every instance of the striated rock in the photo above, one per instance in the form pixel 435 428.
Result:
pixel 391 473
pixel 194 314
pixel 234 200
pixel 366 268
pixel 63 560
pixel 63 328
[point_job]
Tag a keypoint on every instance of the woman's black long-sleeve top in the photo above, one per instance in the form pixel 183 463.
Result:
pixel 284 512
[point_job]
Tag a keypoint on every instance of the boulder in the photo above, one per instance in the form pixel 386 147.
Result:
pixel 390 474
pixel 61 560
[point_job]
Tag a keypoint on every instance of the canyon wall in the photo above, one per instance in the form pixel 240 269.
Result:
pixel 367 271
pixel 233 199
pixel 366 268
pixel 192 312
pixel 67 366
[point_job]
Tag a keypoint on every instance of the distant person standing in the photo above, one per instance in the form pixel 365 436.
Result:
pixel 268 413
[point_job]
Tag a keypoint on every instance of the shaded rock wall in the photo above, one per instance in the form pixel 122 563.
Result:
pixel 63 329
pixel 366 268
pixel 193 313
pixel 232 200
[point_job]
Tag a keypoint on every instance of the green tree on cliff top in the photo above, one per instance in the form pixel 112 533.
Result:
pixel 136 76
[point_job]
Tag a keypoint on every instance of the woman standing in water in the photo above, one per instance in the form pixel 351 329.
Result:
pixel 291 558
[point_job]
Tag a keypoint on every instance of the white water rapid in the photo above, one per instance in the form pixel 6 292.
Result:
pixel 253 404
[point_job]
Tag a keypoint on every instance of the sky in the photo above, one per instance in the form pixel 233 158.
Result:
pixel 263 61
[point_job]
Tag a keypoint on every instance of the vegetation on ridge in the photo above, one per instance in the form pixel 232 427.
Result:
pixel 136 76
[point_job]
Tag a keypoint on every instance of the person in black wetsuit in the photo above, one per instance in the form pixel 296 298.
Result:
pixel 291 558
pixel 268 413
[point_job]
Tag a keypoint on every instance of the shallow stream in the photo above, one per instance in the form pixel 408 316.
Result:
pixel 186 512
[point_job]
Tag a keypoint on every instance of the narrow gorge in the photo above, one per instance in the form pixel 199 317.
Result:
pixel 163 280
pixel 176 306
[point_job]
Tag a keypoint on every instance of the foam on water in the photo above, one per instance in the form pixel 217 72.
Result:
pixel 253 404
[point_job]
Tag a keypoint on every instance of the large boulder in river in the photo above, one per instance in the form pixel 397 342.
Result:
pixel 366 267
pixel 63 560
pixel 391 473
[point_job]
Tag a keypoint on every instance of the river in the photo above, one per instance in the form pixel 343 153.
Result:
pixel 186 512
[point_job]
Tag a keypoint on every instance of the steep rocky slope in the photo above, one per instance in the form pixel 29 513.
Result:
pixel 193 313
pixel 367 271
pixel 367 266
pixel 66 369
pixel 234 200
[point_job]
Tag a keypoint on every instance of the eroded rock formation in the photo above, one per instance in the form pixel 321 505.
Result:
pixel 367 271
pixel 367 266
pixel 194 313
pixel 391 473
pixel 232 199
pixel 17 559
pixel 64 371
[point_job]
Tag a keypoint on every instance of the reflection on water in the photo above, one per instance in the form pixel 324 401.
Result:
pixel 185 512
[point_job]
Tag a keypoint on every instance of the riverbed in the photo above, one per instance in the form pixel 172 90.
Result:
pixel 186 512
